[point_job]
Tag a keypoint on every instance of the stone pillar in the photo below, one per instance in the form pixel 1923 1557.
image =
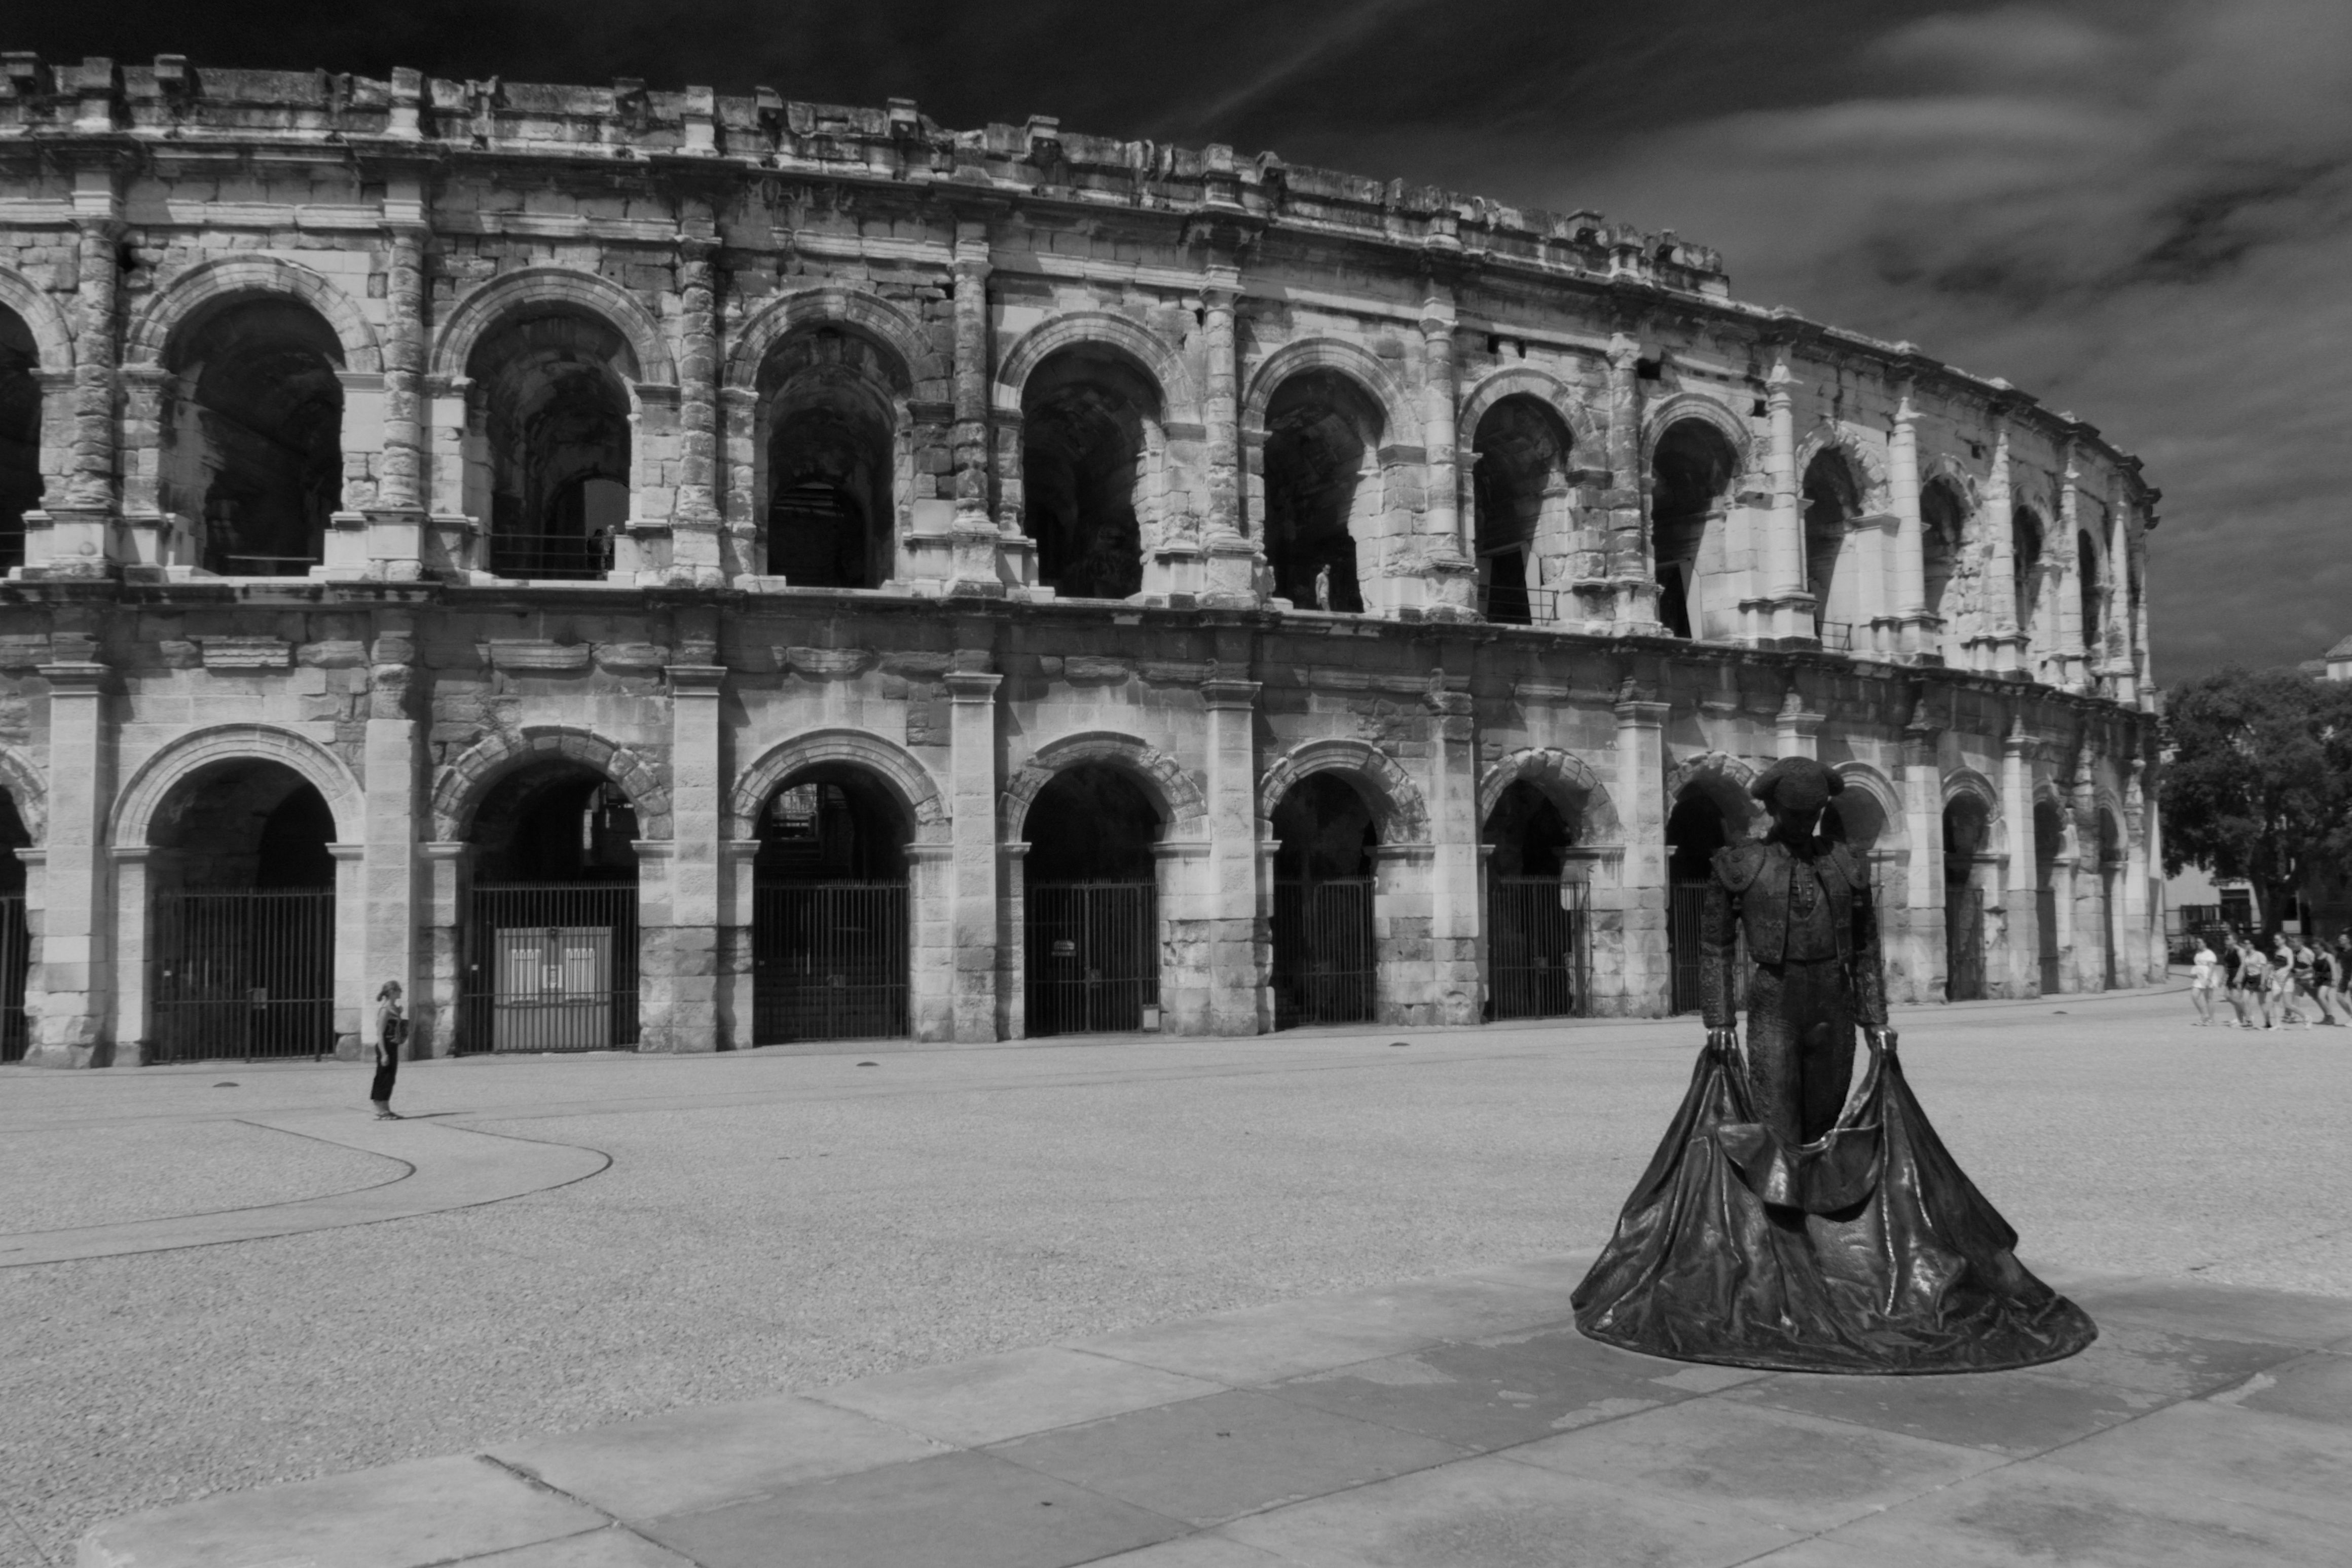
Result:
pixel 343 550
pixel 1923 812
pixel 695 523
pixel 658 986
pixel 78 975
pixel 1916 633
pixel 354 1013
pixel 396 544
pixel 930 876
pixel 737 907
pixel 1641 790
pixel 135 871
pixel 435 1014
pixel 1632 569
pixel 1457 911
pixel 972 804
pixel 395 766
pixel 979 569
pixel 1999 645
pixel 2065 888
pixel 1237 566
pixel 697 805
pixel 2021 962
pixel 2065 553
pixel 82 523
pixel 1795 730
pixel 1787 610
pixel 1451 577
pixel 1238 954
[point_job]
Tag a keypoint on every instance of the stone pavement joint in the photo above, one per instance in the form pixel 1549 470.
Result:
pixel 1459 1422
pixel 444 1167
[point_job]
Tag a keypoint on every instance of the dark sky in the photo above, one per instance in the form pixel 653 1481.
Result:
pixel 2138 210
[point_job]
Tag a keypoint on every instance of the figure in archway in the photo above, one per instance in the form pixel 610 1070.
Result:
pixel 1790 1219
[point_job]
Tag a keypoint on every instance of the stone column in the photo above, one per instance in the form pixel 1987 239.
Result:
pixel 1787 612
pixel 82 522
pixel 977 570
pixel 343 550
pixel 1923 812
pixel 77 976
pixel 2065 554
pixel 1632 569
pixel 396 546
pixel 1456 910
pixel 2022 960
pixel 2144 935
pixel 698 804
pixel 1640 791
pixel 1794 729
pixel 435 1018
pixel 695 523
pixel 1237 949
pixel 394 767
pixel 1915 632
pixel 2065 888
pixel 2000 643
pixel 1237 566
pixel 972 801
pixel 1451 578
pixel 930 874
pixel 354 1013
pixel 136 870
pixel 737 907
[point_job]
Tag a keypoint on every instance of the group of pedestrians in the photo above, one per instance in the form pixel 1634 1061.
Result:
pixel 2268 986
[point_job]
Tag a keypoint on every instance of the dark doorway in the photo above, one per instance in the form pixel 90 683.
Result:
pixel 1833 501
pixel 1943 520
pixel 1691 473
pixel 555 418
pixel 1520 472
pixel 829 484
pixel 1696 829
pixel 1322 489
pixel 829 914
pixel 243 892
pixel 1967 829
pixel 1083 455
pixel 1325 953
pixel 261 453
pixel 1538 925
pixel 1091 905
pixel 551 947
pixel 20 435
pixel 2049 839
pixel 15 934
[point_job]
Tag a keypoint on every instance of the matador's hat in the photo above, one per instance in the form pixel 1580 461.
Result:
pixel 1795 784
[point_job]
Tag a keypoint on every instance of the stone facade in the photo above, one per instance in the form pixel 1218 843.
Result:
pixel 402 440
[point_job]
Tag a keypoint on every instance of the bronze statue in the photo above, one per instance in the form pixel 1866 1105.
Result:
pixel 1791 1219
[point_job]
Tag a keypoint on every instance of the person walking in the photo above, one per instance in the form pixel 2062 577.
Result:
pixel 2307 978
pixel 390 1036
pixel 2200 982
pixel 2233 960
pixel 2253 983
pixel 2334 976
pixel 2281 980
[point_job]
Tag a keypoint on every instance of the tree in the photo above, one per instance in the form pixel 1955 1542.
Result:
pixel 2259 785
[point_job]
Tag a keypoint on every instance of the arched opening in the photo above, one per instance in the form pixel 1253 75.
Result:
pixel 551 949
pixel 16 931
pixel 1943 523
pixel 1518 486
pixel 551 394
pixel 1691 474
pixel 1322 489
pixel 1538 925
pixel 830 933
pixel 1833 501
pixel 1709 815
pixel 255 442
pixel 1967 829
pixel 828 406
pixel 1090 911
pixel 2092 591
pixel 20 435
pixel 1325 955
pixel 241 883
pixel 2049 842
pixel 2028 585
pixel 1089 417
pixel 2111 876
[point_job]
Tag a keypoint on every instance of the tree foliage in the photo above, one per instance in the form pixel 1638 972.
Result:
pixel 2259 784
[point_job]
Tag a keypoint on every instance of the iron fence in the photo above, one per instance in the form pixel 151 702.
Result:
pixel 1092 954
pixel 1510 605
pixel 828 961
pixel 2046 919
pixel 244 972
pixel 551 557
pixel 1538 948
pixel 1964 954
pixel 1837 636
pixel 552 966
pixel 1325 957
pixel 15 966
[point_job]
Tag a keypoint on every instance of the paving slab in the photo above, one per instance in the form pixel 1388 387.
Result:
pixel 2317 1387
pixel 401 1516
pixel 2225 1451
pixel 613 1547
pixel 2157 1358
pixel 2221 1312
pixel 1482 1396
pixel 1208 1549
pixel 688 1459
pixel 986 1400
pixel 965 1509
pixel 2019 1414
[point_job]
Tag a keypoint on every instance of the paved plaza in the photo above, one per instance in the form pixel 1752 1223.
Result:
pixel 1295 1300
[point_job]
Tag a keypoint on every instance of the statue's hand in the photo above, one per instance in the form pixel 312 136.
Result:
pixel 1881 1039
pixel 1726 1041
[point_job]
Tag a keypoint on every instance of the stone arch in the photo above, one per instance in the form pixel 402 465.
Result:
pixel 1869 465
pixel 212 284
pixel 480 313
pixel 1396 800
pixel 1944 466
pixel 1564 778
pixel 1968 782
pixel 151 785
pixel 1183 806
pixel 1715 768
pixel 465 780
pixel 1893 833
pixel 42 316
pixel 869 315
pixel 908 781
pixel 28 790
pixel 1178 397
pixel 1587 433
pixel 1668 412
pixel 1352 360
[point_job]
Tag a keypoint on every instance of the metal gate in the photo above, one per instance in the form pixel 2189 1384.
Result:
pixel 16 964
pixel 1964 948
pixel 1538 948
pixel 2045 918
pixel 551 967
pixel 1325 960
pixel 244 972
pixel 1092 954
pixel 1686 916
pixel 828 961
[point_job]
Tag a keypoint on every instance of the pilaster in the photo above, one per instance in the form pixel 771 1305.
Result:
pixel 395 523
pixel 1641 790
pixel 1457 911
pixel 2000 649
pixel 1237 566
pixel 987 555
pixel 1632 567
pixel 2020 962
pixel 697 792
pixel 1922 812
pixel 78 984
pixel 394 764
pixel 1784 615
pixel 694 557
pixel 1239 958
pixel 434 1011
pixel 973 766
pixel 1917 632
pixel 1446 557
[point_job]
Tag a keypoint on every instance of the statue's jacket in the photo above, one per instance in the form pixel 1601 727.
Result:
pixel 1759 891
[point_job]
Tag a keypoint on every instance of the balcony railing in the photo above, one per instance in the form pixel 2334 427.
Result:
pixel 568 558
pixel 1511 605
pixel 1837 636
